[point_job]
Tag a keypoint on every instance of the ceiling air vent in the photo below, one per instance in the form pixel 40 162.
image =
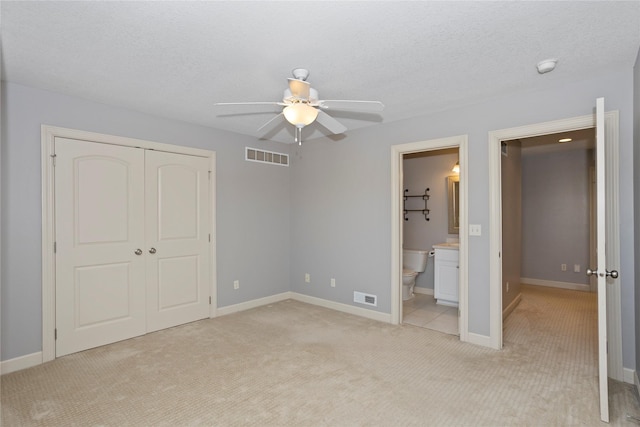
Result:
pixel 261 156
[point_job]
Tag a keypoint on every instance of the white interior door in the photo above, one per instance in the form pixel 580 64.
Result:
pixel 601 269
pixel 178 240
pixel 99 211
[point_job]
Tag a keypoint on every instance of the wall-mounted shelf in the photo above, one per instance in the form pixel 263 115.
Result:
pixel 424 197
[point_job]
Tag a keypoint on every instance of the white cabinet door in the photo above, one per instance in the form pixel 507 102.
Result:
pixel 177 234
pixel 446 274
pixel 100 293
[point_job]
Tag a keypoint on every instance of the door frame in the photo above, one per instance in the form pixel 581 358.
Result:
pixel 48 135
pixel 397 151
pixel 614 320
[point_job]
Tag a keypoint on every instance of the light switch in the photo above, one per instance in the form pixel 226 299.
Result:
pixel 475 230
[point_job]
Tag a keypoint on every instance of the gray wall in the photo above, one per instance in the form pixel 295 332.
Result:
pixel 555 215
pixel 429 170
pixel 341 195
pixel 252 204
pixel 338 212
pixel 511 174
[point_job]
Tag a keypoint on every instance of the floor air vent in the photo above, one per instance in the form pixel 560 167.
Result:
pixel 367 299
pixel 261 156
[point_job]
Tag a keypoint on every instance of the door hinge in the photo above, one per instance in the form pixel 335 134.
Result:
pixel 209 300
pixel 55 334
pixel 55 247
pixel 53 159
pixel 209 175
pixel 209 237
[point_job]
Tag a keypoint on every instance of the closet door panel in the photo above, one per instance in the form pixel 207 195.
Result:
pixel 100 281
pixel 177 233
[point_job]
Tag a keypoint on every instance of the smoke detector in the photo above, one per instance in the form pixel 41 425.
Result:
pixel 547 65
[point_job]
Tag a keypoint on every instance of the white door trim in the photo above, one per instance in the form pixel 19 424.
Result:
pixel 614 321
pixel 397 151
pixel 48 135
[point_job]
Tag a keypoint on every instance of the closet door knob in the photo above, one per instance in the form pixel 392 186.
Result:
pixel 138 252
pixel 152 250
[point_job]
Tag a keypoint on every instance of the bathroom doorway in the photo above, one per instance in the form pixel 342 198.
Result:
pixel 398 152
pixel 430 218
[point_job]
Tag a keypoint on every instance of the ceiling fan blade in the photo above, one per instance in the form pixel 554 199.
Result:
pixel 330 123
pixel 222 104
pixel 299 88
pixel 271 124
pixel 366 106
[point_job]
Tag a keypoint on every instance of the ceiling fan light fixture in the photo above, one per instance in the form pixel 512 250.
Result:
pixel 300 114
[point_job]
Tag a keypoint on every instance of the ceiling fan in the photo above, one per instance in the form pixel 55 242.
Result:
pixel 302 107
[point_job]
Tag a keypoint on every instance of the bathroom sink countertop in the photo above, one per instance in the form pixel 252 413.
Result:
pixel 447 246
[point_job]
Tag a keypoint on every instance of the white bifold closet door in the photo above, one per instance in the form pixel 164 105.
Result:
pixel 132 242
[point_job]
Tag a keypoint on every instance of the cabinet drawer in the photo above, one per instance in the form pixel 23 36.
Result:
pixel 446 254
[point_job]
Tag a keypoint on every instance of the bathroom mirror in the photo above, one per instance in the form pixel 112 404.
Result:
pixel 453 186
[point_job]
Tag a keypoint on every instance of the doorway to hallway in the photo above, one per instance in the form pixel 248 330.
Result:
pixel 548 212
pixel 496 139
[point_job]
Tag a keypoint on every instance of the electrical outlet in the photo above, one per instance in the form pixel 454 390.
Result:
pixel 563 267
pixel 236 284
pixel 475 230
pixel 333 282
pixel 307 277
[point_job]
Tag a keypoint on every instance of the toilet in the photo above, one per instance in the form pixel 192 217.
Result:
pixel 414 261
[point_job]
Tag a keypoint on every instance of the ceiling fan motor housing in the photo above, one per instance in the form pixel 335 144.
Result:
pixel 313 96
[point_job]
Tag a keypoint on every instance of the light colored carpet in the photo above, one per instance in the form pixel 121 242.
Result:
pixel 296 364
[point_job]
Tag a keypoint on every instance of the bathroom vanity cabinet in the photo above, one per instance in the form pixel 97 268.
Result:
pixel 446 274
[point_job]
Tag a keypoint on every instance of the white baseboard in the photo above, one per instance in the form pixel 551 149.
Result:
pixel 555 284
pixel 482 340
pixel 423 291
pixel 247 305
pixel 507 311
pixel 629 376
pixel 22 362
pixel 345 308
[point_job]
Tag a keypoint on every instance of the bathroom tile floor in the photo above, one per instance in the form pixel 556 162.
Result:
pixel 423 311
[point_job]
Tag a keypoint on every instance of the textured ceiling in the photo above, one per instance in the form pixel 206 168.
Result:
pixel 176 59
